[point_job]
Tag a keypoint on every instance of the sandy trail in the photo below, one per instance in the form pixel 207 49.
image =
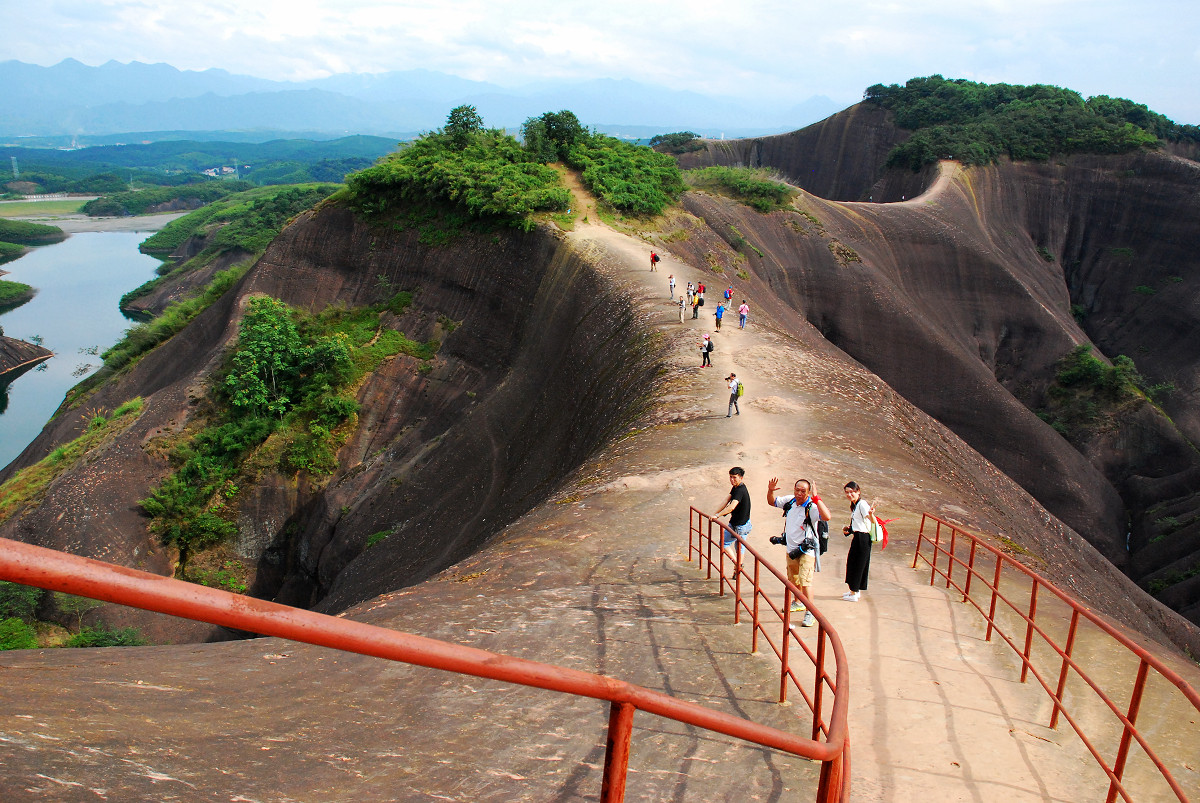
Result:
pixel 936 712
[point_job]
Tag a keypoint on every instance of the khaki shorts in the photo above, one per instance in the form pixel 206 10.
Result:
pixel 801 570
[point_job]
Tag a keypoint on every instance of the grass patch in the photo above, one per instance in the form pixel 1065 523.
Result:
pixel 843 253
pixel 23 232
pixel 754 187
pixel 10 251
pixel 27 487
pixel 14 294
pixel 58 206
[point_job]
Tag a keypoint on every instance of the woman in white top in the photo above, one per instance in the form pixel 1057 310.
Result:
pixel 858 562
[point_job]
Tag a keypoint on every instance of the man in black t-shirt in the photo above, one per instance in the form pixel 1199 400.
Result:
pixel 737 505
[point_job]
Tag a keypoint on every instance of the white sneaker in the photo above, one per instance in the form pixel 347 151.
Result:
pixel 809 620
pixel 797 607
pixel 852 597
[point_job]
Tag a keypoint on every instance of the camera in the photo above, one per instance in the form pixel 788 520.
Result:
pixel 778 539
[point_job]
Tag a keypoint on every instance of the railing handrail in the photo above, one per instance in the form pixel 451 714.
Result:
pixel 837 732
pixel 1147 660
pixel 59 571
pixel 1188 691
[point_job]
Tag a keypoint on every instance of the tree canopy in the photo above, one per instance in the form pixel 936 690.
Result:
pixel 977 123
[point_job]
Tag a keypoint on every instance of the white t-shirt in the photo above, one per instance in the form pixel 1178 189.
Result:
pixel 859 522
pixel 794 529
pixel 733 383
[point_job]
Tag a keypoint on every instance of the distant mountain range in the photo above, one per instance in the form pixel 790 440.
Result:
pixel 72 99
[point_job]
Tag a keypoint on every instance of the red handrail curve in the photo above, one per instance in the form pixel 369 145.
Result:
pixel 835 771
pixel 1146 660
pixel 58 571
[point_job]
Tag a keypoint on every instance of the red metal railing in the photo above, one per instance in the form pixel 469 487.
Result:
pixel 705 536
pixel 962 557
pixel 57 571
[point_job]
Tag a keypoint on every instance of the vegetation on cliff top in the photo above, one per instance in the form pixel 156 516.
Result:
pixel 1087 394
pixel 978 123
pixel 283 401
pixel 754 187
pixel 485 174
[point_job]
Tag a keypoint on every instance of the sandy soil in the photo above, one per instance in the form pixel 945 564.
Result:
pixel 78 223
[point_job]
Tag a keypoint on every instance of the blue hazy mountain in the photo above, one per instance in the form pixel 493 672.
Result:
pixel 71 98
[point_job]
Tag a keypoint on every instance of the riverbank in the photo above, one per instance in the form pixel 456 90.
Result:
pixel 75 223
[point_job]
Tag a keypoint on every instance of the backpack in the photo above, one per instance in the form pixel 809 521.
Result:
pixel 711 348
pixel 741 389
pixel 654 257
pixel 702 301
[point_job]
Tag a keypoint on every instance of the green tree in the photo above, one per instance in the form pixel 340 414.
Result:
pixel 266 364
pixel 461 123
pixel 550 137
pixel 16 635
pixel 71 605
pixel 19 601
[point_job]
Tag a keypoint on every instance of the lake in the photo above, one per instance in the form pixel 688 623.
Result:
pixel 79 283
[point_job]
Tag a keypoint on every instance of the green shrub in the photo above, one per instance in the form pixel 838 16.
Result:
pixel 19 601
pixel 14 293
pixel 631 178
pixel 375 538
pixel 10 251
pixel 137 202
pixel 1144 290
pixel 104 637
pixel 753 187
pixel 485 174
pixel 1086 390
pixel 17 635
pixel 677 143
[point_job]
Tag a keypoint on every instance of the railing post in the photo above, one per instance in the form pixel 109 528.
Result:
pixel 920 538
pixel 616 753
pixel 995 592
pixel 737 582
pixel 757 591
pixel 1029 631
pixel 1062 674
pixel 1135 703
pixel 721 547
pixel 970 570
pixel 818 684
pixel 829 787
pixel 950 557
pixel 937 543
pixel 691 518
pixel 709 547
pixel 785 644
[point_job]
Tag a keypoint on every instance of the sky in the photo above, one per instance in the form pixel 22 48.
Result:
pixel 764 51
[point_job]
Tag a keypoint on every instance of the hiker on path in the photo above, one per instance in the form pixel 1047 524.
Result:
pixel 653 261
pixel 696 307
pixel 803 513
pixel 690 290
pixel 858 562
pixel 728 295
pixel 700 290
pixel 681 307
pixel 671 282
pixel 738 505
pixel 706 350
pixel 735 388
pixel 719 314
pixel 743 311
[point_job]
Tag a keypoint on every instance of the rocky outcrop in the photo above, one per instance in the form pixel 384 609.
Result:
pixel 17 357
pixel 541 363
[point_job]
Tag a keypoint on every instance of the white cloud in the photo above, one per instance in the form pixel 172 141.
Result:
pixel 759 50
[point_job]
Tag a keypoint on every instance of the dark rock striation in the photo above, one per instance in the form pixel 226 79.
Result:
pixel 541 363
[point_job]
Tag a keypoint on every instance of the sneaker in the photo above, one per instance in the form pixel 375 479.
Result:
pixel 852 597
pixel 798 607
pixel 809 620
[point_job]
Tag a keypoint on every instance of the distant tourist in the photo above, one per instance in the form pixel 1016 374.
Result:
pixel 681 307
pixel 737 507
pixel 728 294
pixel 743 311
pixel 858 561
pixel 653 261
pixel 690 291
pixel 696 306
pixel 706 350
pixel 719 314
pixel 803 513
pixel 671 282
pixel 735 390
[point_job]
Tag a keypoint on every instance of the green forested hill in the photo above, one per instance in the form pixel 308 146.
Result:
pixel 977 123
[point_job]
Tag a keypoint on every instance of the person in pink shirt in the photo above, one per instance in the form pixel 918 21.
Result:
pixel 743 311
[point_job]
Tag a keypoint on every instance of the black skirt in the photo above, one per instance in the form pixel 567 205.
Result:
pixel 858 562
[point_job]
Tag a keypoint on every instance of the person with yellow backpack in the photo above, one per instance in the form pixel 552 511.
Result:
pixel 735 390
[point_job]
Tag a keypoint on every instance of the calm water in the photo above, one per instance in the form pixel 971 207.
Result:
pixel 79 283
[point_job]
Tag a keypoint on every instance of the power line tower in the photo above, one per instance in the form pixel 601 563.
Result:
pixel 16 170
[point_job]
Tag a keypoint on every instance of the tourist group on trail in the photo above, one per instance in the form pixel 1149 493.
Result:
pixel 805 535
